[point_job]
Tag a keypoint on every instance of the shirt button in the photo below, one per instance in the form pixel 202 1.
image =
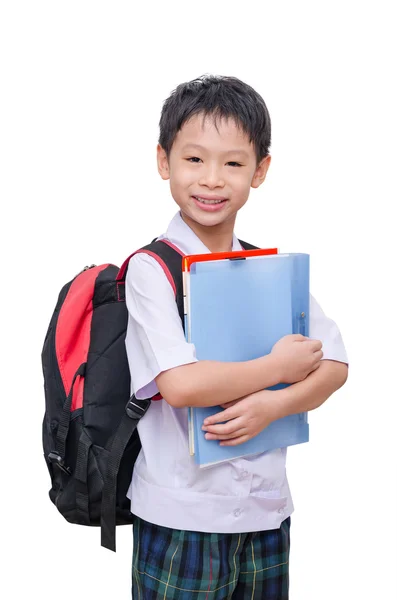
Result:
pixel 237 512
pixel 281 511
pixel 244 474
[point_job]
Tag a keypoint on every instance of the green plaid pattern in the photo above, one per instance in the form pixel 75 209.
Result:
pixel 170 564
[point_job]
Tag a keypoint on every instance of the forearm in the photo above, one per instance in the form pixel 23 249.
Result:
pixel 313 391
pixel 210 383
pixel 246 418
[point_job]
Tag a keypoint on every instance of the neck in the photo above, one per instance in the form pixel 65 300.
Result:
pixel 218 238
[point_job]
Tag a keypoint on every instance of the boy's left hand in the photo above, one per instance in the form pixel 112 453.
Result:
pixel 245 418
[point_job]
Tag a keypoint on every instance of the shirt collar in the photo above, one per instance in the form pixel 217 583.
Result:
pixel 180 234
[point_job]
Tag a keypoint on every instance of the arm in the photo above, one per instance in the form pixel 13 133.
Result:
pixel 246 418
pixel 312 392
pixel 211 383
pixel 161 360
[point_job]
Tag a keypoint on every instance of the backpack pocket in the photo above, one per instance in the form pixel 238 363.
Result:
pixel 78 497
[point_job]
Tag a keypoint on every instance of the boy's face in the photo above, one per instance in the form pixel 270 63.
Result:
pixel 208 164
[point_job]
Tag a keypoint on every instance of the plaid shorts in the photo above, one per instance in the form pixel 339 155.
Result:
pixel 187 565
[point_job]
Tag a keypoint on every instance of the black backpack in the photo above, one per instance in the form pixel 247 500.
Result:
pixel 90 439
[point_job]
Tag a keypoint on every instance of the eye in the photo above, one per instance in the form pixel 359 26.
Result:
pixel 195 159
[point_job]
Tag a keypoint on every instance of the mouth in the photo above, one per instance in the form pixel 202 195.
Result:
pixel 210 200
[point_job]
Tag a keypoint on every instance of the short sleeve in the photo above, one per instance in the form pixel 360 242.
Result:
pixel 155 340
pixel 324 329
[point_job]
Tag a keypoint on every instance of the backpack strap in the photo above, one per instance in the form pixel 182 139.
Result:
pixel 247 246
pixel 134 411
pixel 170 259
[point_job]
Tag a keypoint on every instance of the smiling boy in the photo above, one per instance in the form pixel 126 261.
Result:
pixel 221 532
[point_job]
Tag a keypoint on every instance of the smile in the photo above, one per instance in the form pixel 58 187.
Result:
pixel 210 205
pixel 206 201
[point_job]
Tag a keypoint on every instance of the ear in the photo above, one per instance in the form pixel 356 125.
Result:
pixel 261 172
pixel 162 163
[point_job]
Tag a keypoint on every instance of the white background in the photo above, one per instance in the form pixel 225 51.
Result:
pixel 82 89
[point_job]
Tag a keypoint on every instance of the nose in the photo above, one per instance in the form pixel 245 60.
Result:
pixel 211 177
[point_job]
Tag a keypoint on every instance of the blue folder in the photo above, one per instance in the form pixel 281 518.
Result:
pixel 236 310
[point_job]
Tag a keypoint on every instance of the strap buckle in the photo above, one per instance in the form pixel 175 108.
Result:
pixel 56 459
pixel 136 407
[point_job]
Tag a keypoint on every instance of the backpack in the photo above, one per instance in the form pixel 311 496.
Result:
pixel 90 437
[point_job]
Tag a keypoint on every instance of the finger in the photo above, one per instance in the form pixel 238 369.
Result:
pixel 224 428
pixel 298 337
pixel 225 415
pixel 235 441
pixel 316 345
pixel 316 366
pixel 234 434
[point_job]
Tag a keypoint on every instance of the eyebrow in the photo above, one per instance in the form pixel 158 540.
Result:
pixel 236 151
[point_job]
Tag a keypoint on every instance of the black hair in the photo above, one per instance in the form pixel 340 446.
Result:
pixel 219 97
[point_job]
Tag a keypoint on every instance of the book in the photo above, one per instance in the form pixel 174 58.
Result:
pixel 237 305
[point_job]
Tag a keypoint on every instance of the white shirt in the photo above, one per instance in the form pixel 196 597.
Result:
pixel 167 487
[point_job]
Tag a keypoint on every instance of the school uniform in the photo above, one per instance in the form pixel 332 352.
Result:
pixel 200 533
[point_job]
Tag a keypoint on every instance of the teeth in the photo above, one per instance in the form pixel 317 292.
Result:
pixel 208 201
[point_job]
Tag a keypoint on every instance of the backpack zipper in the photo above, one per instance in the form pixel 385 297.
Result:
pixel 86 268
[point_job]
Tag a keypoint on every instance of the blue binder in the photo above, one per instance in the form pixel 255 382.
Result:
pixel 236 310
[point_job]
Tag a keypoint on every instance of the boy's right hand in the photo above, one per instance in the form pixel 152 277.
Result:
pixel 297 356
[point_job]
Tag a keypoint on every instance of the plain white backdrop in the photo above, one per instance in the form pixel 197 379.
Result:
pixel 82 89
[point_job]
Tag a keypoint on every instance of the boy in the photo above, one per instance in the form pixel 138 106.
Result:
pixel 221 532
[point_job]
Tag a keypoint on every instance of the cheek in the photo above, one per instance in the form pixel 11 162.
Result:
pixel 240 179
pixel 242 185
pixel 182 178
pixel 181 186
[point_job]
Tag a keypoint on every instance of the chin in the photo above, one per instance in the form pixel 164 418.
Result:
pixel 206 219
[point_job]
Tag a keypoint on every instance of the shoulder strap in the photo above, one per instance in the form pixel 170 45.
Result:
pixel 134 411
pixel 247 246
pixel 170 258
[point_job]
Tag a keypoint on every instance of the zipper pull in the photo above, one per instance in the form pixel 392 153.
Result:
pixel 86 268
